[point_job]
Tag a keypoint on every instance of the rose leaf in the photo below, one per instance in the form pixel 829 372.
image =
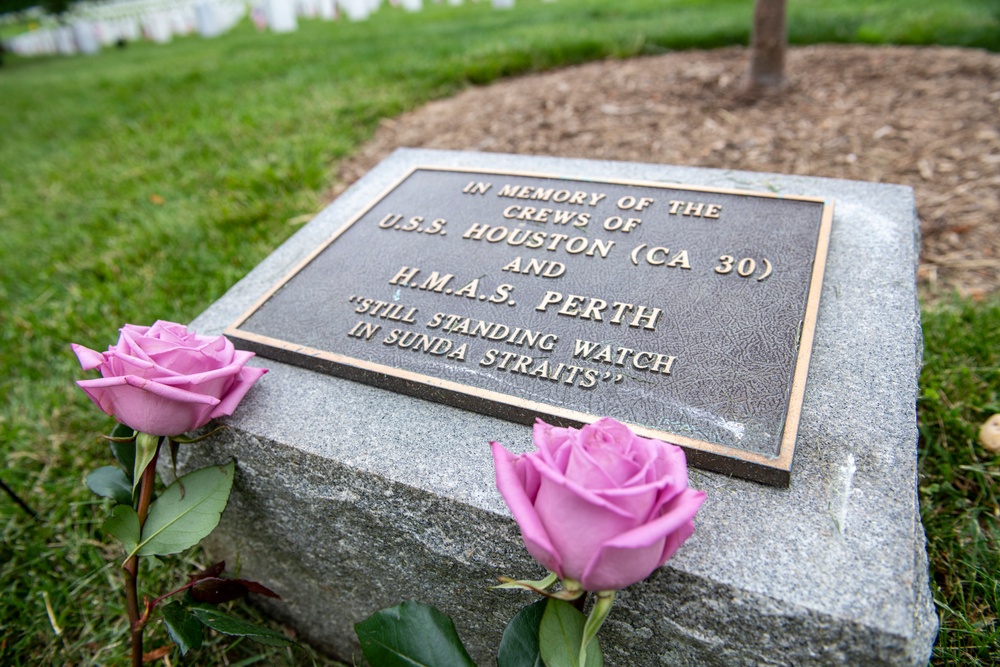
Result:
pixel 183 627
pixel 230 625
pixel 122 441
pixel 259 589
pixel 111 482
pixel 214 570
pixel 412 634
pixel 519 645
pixel 177 521
pixel 560 635
pixel 216 590
pixel 123 525
pixel 145 449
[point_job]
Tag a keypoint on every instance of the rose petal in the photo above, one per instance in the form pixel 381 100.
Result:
pixel 590 471
pixel 148 406
pixel 121 363
pixel 670 461
pixel 577 520
pixel 647 500
pixel 181 360
pixel 511 485
pixel 89 359
pixel 589 496
pixel 553 443
pixel 135 329
pixel 610 430
pixel 633 555
pixel 641 502
pixel 614 569
pixel 235 394
pixel 172 346
pixel 675 540
pixel 166 329
pixel 127 345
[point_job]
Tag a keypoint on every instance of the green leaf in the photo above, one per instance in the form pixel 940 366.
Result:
pixel 519 645
pixel 122 441
pixel 412 634
pixel 560 634
pixel 602 607
pixel 538 585
pixel 122 432
pixel 179 520
pixel 183 627
pixel 174 446
pixel 123 525
pixel 111 482
pixel 145 449
pixel 216 590
pixel 230 625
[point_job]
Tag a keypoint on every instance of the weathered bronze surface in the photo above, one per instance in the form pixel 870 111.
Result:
pixel 686 312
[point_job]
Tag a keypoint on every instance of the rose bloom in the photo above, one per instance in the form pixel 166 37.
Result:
pixel 166 380
pixel 599 505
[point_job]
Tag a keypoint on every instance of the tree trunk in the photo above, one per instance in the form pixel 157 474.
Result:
pixel 767 45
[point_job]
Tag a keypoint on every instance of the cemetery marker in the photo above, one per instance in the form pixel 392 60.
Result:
pixel 687 312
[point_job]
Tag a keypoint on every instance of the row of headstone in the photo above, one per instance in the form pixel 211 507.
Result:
pixel 119 23
pixel 97 25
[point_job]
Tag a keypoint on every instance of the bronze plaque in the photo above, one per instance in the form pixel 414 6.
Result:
pixel 685 312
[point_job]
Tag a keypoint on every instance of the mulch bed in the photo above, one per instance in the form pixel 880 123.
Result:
pixel 924 117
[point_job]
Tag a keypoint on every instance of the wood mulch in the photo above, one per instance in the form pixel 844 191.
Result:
pixel 924 117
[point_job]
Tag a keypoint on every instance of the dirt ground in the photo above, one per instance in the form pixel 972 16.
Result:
pixel 924 117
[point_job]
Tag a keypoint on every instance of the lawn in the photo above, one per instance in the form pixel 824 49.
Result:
pixel 141 183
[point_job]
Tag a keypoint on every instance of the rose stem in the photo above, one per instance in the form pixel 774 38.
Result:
pixel 131 566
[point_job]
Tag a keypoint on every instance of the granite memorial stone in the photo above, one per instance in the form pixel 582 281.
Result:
pixel 351 497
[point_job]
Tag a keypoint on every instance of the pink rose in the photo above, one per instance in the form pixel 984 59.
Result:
pixel 599 505
pixel 166 380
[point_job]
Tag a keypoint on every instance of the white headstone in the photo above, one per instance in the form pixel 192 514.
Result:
pixel 47 43
pixel 413 5
pixel 65 42
pixel 356 10
pixel 208 22
pixel 128 29
pixel 503 4
pixel 328 10
pixel 105 32
pixel 281 16
pixel 86 38
pixel 230 14
pixel 178 22
pixel 157 27
pixel 307 8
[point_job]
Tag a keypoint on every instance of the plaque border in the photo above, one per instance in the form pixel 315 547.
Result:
pixel 774 471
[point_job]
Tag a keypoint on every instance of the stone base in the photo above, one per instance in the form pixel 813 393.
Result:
pixel 350 498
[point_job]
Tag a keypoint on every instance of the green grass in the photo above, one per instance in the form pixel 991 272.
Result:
pixel 140 183
pixel 960 480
